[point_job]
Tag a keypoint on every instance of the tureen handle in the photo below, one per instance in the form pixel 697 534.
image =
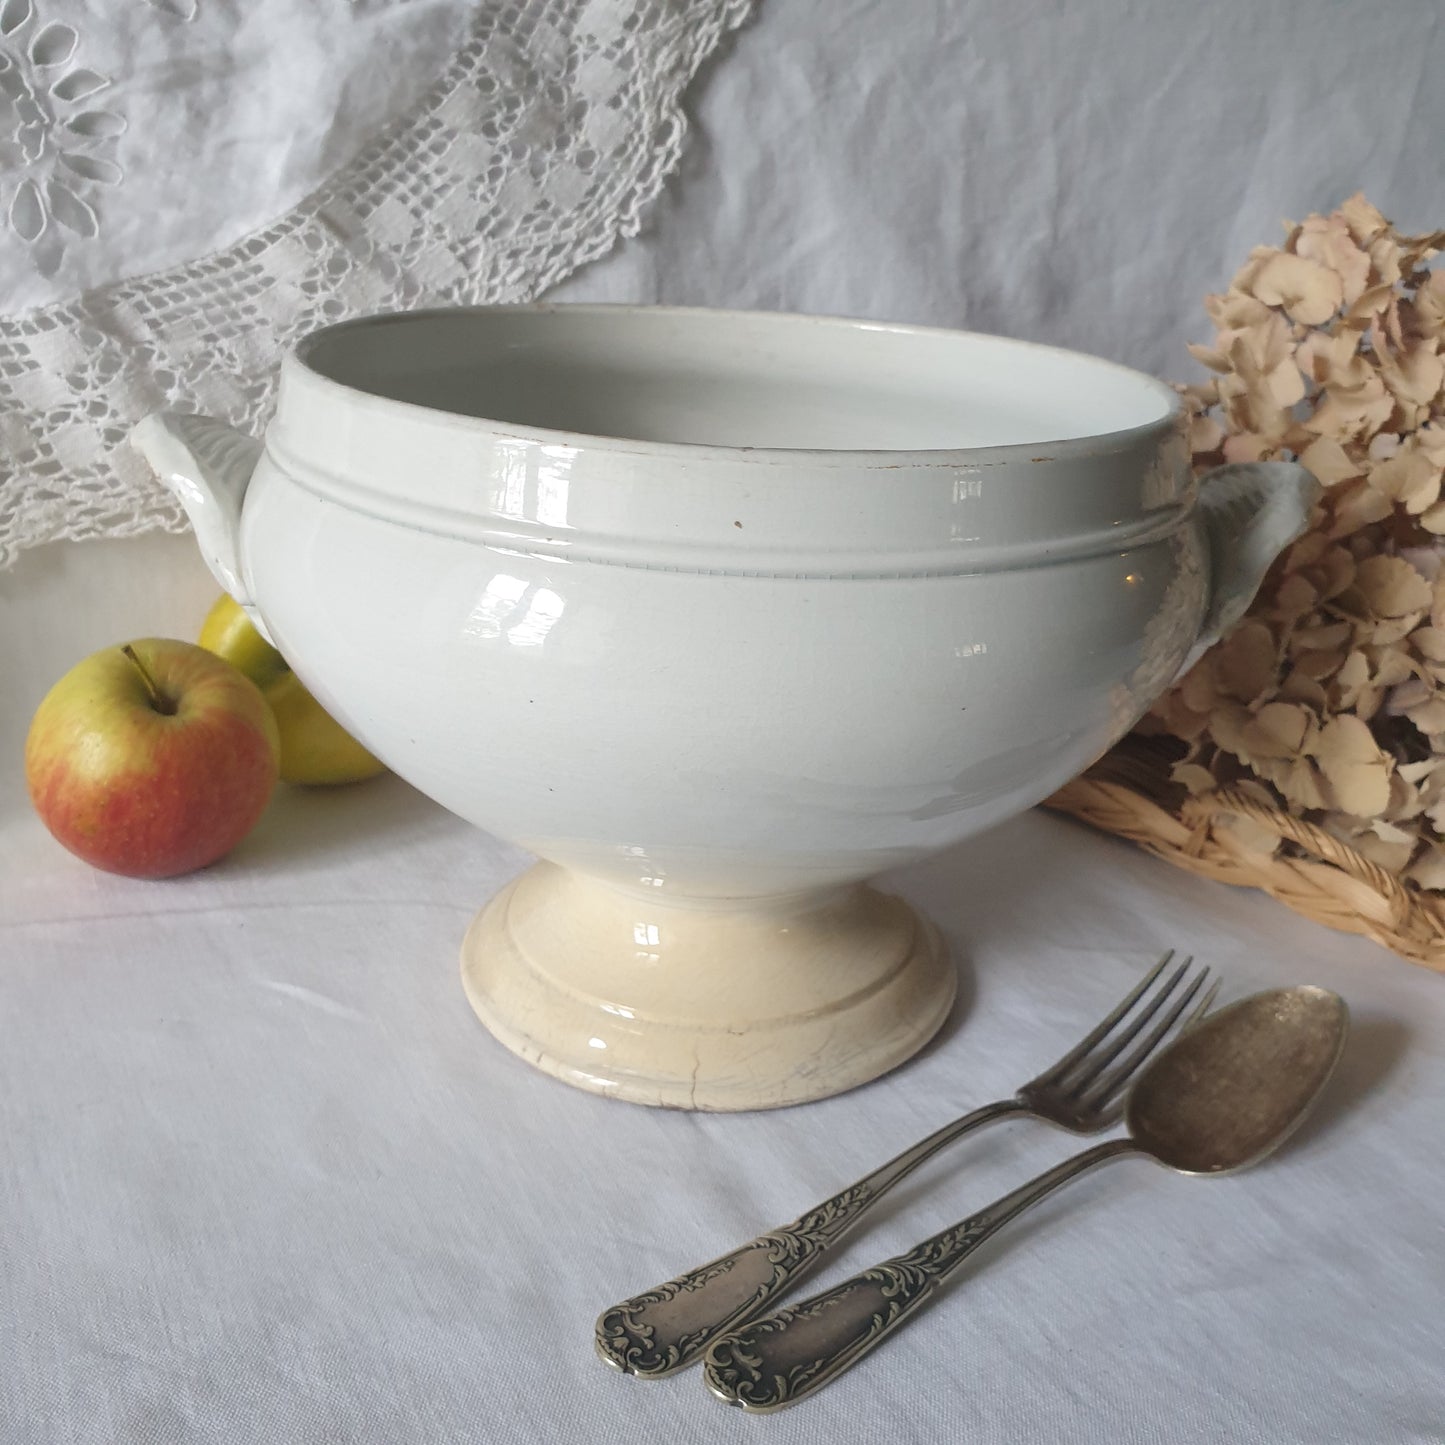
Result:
pixel 208 466
pixel 1251 512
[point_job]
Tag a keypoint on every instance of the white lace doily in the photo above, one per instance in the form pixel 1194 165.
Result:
pixel 550 127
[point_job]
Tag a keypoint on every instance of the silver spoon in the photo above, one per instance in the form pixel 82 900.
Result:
pixel 1220 1098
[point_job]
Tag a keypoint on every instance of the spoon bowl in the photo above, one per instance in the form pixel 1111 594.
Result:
pixel 1237 1084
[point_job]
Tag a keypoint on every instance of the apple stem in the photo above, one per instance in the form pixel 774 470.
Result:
pixel 159 700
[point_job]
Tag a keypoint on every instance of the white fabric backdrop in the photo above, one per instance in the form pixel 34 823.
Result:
pixel 1075 174
pixel 265 1178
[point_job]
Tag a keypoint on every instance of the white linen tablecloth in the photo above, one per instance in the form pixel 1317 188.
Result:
pixel 263 1177
pixel 266 1178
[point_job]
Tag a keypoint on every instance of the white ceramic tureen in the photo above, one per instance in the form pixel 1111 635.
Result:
pixel 720 614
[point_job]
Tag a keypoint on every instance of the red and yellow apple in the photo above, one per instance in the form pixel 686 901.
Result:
pixel 152 759
pixel 315 748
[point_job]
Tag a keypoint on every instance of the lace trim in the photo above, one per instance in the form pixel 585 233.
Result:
pixel 541 145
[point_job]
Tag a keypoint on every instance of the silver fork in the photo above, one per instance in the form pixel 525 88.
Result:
pixel 665 1329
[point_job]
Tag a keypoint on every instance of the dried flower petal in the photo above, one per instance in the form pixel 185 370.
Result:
pixel 1353 676
pixel 1329 461
pixel 1296 597
pixel 1370 303
pixel 1257 404
pixel 1321 356
pixel 1390 587
pixel 1429 717
pixel 1389 832
pixel 1389 853
pixel 1393 666
pixel 1429 642
pixel 1234 310
pixel 1326 637
pixel 1301 785
pixel 1416 250
pixel 1196 690
pixel 1415 375
pixel 1307 551
pixel 1310 293
pixel 1298 687
pixel 1356 771
pixel 1351 411
pixel 1190 775
pixel 1430 439
pixel 1386 258
pixel 1247 447
pixel 1226 725
pixel 1383 635
pixel 1411 693
pixel 1244 663
pixel 1410 478
pixel 1429 308
pixel 1425 560
pixel 1428 870
pixel 1362 219
pixel 1205 434
pixel 1278 730
pixel 1316 666
pixel 1327 240
pixel 1335 573
pixel 1211 357
pixel 1177 719
pixel 1405 804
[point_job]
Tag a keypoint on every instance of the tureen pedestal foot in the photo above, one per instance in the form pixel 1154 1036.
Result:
pixel 705 1004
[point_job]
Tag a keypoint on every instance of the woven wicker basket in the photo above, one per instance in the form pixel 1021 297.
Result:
pixel 1129 793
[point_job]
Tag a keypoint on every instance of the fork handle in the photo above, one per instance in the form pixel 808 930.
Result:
pixel 665 1329
pixel 787 1356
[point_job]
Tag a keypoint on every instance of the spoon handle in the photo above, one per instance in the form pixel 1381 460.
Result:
pixel 778 1360
pixel 664 1329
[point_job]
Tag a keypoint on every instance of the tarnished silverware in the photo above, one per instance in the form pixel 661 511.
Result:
pixel 665 1329
pixel 1219 1099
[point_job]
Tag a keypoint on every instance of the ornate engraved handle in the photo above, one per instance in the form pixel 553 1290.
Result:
pixel 664 1329
pixel 779 1360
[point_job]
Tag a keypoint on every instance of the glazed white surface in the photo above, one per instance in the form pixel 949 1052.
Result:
pixel 729 670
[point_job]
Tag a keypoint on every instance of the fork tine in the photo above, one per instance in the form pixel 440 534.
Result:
pixel 1057 1070
pixel 1096 1062
pixel 1205 1004
pixel 1103 1088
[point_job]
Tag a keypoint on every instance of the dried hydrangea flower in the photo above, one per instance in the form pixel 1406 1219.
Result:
pixel 1329 699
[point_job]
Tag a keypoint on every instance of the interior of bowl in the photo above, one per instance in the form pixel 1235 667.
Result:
pixel 739 379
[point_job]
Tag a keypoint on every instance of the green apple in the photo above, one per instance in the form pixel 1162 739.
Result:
pixel 315 748
pixel 151 759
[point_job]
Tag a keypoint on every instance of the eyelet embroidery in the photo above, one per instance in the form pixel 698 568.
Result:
pixel 56 146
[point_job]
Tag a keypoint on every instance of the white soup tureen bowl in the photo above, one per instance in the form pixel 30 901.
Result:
pixel 720 614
